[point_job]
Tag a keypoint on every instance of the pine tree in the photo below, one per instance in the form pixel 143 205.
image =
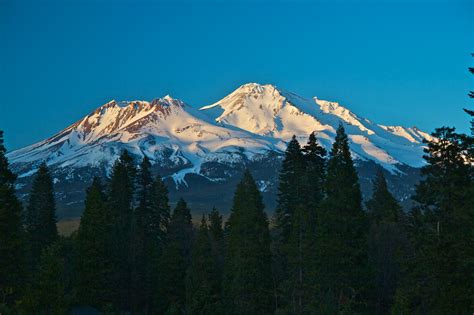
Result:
pixel 51 289
pixel 12 263
pixel 216 234
pixel 301 250
pixel 161 206
pixel 290 188
pixel 291 196
pixel 314 156
pixel 119 218
pixel 175 261
pixel 40 219
pixel 149 219
pixel 94 263
pixel 203 289
pixel 386 243
pixel 439 274
pixel 247 271
pixel 341 234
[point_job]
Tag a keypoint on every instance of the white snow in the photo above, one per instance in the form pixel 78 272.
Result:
pixel 247 124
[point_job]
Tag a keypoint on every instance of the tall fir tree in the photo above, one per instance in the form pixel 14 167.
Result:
pixel 174 262
pixel 216 234
pixel 148 231
pixel 290 188
pixel 301 250
pixel 119 218
pixel 40 221
pixel 162 208
pixel 12 245
pixel 439 276
pixel 341 234
pixel 387 243
pixel 203 287
pixel 301 190
pixel 51 287
pixel 94 264
pixel 247 271
pixel 290 197
pixel 314 156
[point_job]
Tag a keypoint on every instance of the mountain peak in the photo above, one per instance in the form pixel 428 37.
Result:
pixel 255 88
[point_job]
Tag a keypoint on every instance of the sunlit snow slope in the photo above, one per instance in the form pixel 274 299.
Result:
pixel 250 122
pixel 268 111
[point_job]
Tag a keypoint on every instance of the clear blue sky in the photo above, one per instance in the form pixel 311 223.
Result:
pixel 394 62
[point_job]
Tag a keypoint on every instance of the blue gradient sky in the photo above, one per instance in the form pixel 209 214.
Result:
pixel 394 62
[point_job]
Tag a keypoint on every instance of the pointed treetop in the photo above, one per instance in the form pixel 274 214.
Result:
pixel 203 223
pixel 340 146
pixel 313 148
pixel 383 207
pixel 181 212
pixel 96 183
pixel 293 145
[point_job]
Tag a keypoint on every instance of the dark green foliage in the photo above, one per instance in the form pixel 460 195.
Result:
pixel 314 156
pixel 12 263
pixel 439 275
pixel 40 222
pixel 301 191
pixel 175 261
pixel 119 218
pixel 50 291
pixel 290 197
pixel 150 220
pixel 290 188
pixel 341 235
pixel 216 234
pixel 93 262
pixel 161 207
pixel 387 243
pixel 301 249
pixel 247 271
pixel 203 287
pixel 215 225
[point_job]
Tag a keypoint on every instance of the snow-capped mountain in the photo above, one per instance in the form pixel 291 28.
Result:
pixel 193 147
pixel 269 111
pixel 165 130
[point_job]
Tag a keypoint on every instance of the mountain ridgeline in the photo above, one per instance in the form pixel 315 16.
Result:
pixel 198 151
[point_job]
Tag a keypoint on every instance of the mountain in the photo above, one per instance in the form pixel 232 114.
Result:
pixel 202 152
pixel 268 111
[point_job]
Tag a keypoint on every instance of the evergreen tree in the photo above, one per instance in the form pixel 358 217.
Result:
pixel 314 156
pixel 12 263
pixel 341 234
pixel 215 225
pixel 290 188
pixel 40 219
pixel 94 263
pixel 216 234
pixel 386 243
pixel 301 250
pixel 203 289
pixel 439 274
pixel 291 196
pixel 175 261
pixel 161 206
pixel 147 240
pixel 247 271
pixel 51 289
pixel 119 218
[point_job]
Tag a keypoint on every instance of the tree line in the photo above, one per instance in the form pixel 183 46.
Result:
pixel 323 252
